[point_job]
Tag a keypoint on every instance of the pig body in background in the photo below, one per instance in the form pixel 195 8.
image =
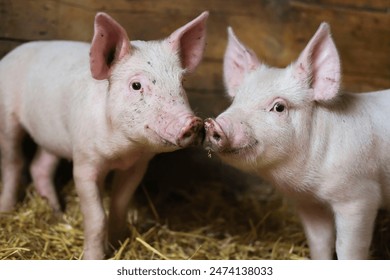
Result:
pixel 328 152
pixel 131 107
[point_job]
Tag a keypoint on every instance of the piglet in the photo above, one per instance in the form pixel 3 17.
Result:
pixel 328 152
pixel 109 105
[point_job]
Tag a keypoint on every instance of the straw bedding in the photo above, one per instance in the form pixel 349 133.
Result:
pixel 207 221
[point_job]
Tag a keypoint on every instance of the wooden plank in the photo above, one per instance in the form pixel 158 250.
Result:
pixel 362 38
pixel 358 5
pixel 189 8
pixel 207 77
pixel 28 20
pixel 276 30
pixel 75 23
pixel 208 103
pixel 363 83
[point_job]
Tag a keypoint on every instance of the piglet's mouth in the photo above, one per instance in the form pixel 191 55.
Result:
pixel 160 138
pixel 240 150
pixel 235 151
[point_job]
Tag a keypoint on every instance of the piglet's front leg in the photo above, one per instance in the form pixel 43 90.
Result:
pixel 124 185
pixel 355 221
pixel 87 183
pixel 318 222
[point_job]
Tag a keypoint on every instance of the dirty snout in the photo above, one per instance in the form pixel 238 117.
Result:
pixel 229 138
pixel 172 131
pixel 215 138
pixel 191 133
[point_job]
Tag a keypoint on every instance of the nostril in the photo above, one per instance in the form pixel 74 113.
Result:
pixel 188 134
pixel 216 136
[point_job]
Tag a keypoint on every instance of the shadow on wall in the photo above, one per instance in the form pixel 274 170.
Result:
pixel 193 167
pixel 187 168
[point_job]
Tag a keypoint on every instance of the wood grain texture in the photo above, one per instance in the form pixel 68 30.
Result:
pixel 276 30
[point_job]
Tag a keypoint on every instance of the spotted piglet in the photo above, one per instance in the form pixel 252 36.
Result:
pixel 109 105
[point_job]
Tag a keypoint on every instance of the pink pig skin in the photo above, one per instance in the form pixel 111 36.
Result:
pixel 112 104
pixel 329 152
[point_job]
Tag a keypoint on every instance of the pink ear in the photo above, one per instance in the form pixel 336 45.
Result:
pixel 319 64
pixel 109 44
pixel 190 40
pixel 238 61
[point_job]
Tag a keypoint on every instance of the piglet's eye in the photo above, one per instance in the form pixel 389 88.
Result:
pixel 136 86
pixel 278 107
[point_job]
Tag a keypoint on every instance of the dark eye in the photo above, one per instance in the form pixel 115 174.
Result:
pixel 278 107
pixel 136 86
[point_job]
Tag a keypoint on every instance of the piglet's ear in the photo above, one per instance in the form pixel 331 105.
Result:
pixel 319 64
pixel 109 44
pixel 238 60
pixel 189 41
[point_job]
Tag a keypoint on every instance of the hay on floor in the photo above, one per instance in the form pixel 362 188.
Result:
pixel 201 223
pixel 189 223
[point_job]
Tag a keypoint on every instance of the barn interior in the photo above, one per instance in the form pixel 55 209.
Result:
pixel 191 205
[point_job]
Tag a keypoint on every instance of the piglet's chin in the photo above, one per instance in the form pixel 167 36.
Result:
pixel 158 142
pixel 240 155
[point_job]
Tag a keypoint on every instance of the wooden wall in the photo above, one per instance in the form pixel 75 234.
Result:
pixel 276 30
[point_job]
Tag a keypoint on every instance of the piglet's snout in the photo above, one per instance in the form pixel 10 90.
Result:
pixel 215 137
pixel 190 133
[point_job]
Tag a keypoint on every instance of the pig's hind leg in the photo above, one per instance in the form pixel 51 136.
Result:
pixel 12 161
pixel 42 171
